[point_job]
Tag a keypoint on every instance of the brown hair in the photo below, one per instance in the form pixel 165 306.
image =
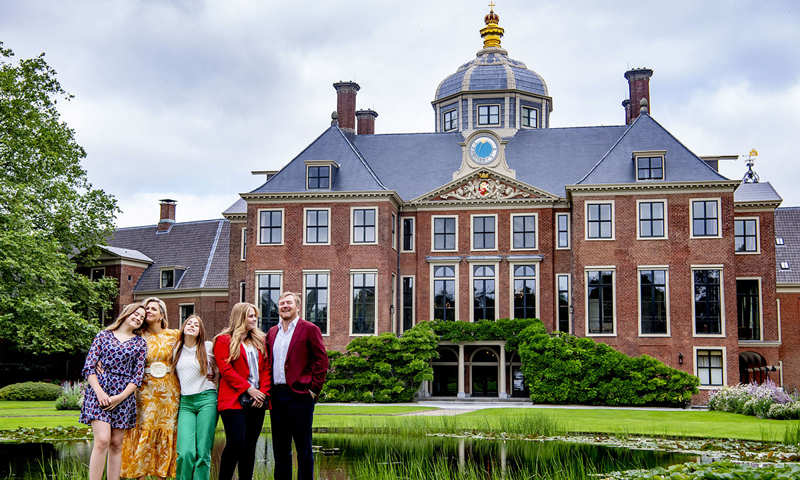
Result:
pixel 201 355
pixel 161 306
pixel 126 312
pixel 237 329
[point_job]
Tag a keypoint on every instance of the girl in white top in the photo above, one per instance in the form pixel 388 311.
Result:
pixel 193 362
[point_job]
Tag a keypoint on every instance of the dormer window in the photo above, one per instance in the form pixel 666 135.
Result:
pixel 530 117
pixel 650 168
pixel 778 240
pixel 488 114
pixel 319 175
pixel 168 278
pixel 784 265
pixel 450 120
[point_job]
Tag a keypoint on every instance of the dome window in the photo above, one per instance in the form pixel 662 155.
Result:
pixel 450 120
pixel 488 115
pixel 530 117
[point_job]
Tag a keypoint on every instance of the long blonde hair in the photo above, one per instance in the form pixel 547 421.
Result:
pixel 161 306
pixel 126 312
pixel 200 354
pixel 237 329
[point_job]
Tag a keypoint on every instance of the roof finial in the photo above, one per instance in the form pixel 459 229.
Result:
pixel 750 176
pixel 492 32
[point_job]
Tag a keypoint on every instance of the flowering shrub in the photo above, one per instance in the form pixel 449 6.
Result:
pixel 766 400
pixel 71 396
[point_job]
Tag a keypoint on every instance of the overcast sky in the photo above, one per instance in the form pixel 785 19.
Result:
pixel 183 99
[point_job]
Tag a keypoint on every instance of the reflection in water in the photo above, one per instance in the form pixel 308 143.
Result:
pixel 353 456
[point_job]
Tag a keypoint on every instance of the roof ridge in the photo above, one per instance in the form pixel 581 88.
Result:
pixel 609 151
pixel 155 225
pixel 211 255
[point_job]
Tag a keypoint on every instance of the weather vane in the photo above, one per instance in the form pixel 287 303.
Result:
pixel 750 176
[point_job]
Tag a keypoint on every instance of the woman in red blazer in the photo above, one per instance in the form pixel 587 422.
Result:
pixel 241 356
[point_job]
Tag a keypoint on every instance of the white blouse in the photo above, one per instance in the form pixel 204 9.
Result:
pixel 188 369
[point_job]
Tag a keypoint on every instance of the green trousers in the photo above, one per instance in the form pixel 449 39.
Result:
pixel 197 420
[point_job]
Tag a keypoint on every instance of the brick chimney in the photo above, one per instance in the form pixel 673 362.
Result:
pixel 366 121
pixel 346 105
pixel 639 88
pixel 626 104
pixel 167 217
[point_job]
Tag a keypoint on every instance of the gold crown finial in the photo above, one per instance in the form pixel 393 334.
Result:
pixel 492 32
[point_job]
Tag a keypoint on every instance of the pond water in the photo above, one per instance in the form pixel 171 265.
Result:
pixel 357 456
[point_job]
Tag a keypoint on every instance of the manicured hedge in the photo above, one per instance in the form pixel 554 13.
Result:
pixel 383 368
pixel 562 368
pixel 30 391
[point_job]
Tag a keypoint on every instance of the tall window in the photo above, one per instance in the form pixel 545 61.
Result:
pixel 270 227
pixel 653 301
pixel 650 168
pixel 408 234
pixel 524 291
pixel 483 292
pixel 562 282
pixel 444 233
pixel 269 289
pixel 705 218
pixel 319 177
pixel 394 231
pixel 444 292
pixel 364 225
pixel 600 308
pixel 707 302
pixel 599 220
pixel 483 232
pixel 317 226
pixel 745 232
pixel 186 310
pixel 748 300
pixel 316 300
pixel 363 314
pixel 244 245
pixel 651 219
pixel 562 230
pixel 242 291
pixel 408 302
pixel 450 120
pixel 529 117
pixel 523 231
pixel 710 368
pixel 488 114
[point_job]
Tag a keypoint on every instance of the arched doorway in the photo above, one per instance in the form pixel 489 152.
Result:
pixel 445 373
pixel 752 368
pixel 484 371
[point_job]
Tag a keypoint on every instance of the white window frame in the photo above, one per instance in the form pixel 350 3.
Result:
pixel 721 301
pixel 569 231
pixel 413 233
pixel 180 311
pixel 511 266
pixel 330 166
pixel 283 226
pixel 598 268
pixel 586 220
pixel 243 246
pixel 697 348
pixel 413 301
pixel 478 114
pixel 535 231
pixel 522 109
pixel 305 225
pixel 640 155
pixel 569 300
pixel 666 219
pixel 353 222
pixel 328 304
pixel 719 217
pixel 472 232
pixel 161 278
pixel 431 297
pixel 433 232
pixel 496 266
pixel 356 271
pixel 394 230
pixel 760 309
pixel 758 235
pixel 639 268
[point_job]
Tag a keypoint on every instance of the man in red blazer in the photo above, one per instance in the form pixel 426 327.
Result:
pixel 299 365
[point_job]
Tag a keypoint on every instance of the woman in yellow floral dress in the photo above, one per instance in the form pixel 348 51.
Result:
pixel 149 448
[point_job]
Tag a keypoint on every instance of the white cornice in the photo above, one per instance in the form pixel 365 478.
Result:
pixel 282 197
pixel 754 206
pixel 659 187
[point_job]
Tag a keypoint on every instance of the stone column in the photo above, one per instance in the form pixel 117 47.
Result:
pixel 501 384
pixel 461 393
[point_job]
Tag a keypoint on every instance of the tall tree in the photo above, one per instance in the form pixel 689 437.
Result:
pixel 48 213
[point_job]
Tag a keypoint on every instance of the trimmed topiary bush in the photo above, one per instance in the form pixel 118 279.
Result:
pixel 562 368
pixel 30 391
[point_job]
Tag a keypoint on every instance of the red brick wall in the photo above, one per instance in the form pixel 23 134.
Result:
pixel 237 269
pixel 790 337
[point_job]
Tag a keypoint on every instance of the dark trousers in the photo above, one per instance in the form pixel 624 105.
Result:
pixel 290 417
pixel 242 428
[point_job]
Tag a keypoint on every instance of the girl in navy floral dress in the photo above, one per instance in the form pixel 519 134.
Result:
pixel 108 404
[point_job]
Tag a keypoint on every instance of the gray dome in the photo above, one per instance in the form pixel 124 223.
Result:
pixel 492 69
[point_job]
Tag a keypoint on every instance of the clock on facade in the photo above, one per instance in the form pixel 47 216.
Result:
pixel 483 150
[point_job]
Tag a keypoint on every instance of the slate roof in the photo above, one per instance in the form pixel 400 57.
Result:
pixel 756 192
pixel 201 247
pixel 238 207
pixel 787 227
pixel 491 69
pixel 127 253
